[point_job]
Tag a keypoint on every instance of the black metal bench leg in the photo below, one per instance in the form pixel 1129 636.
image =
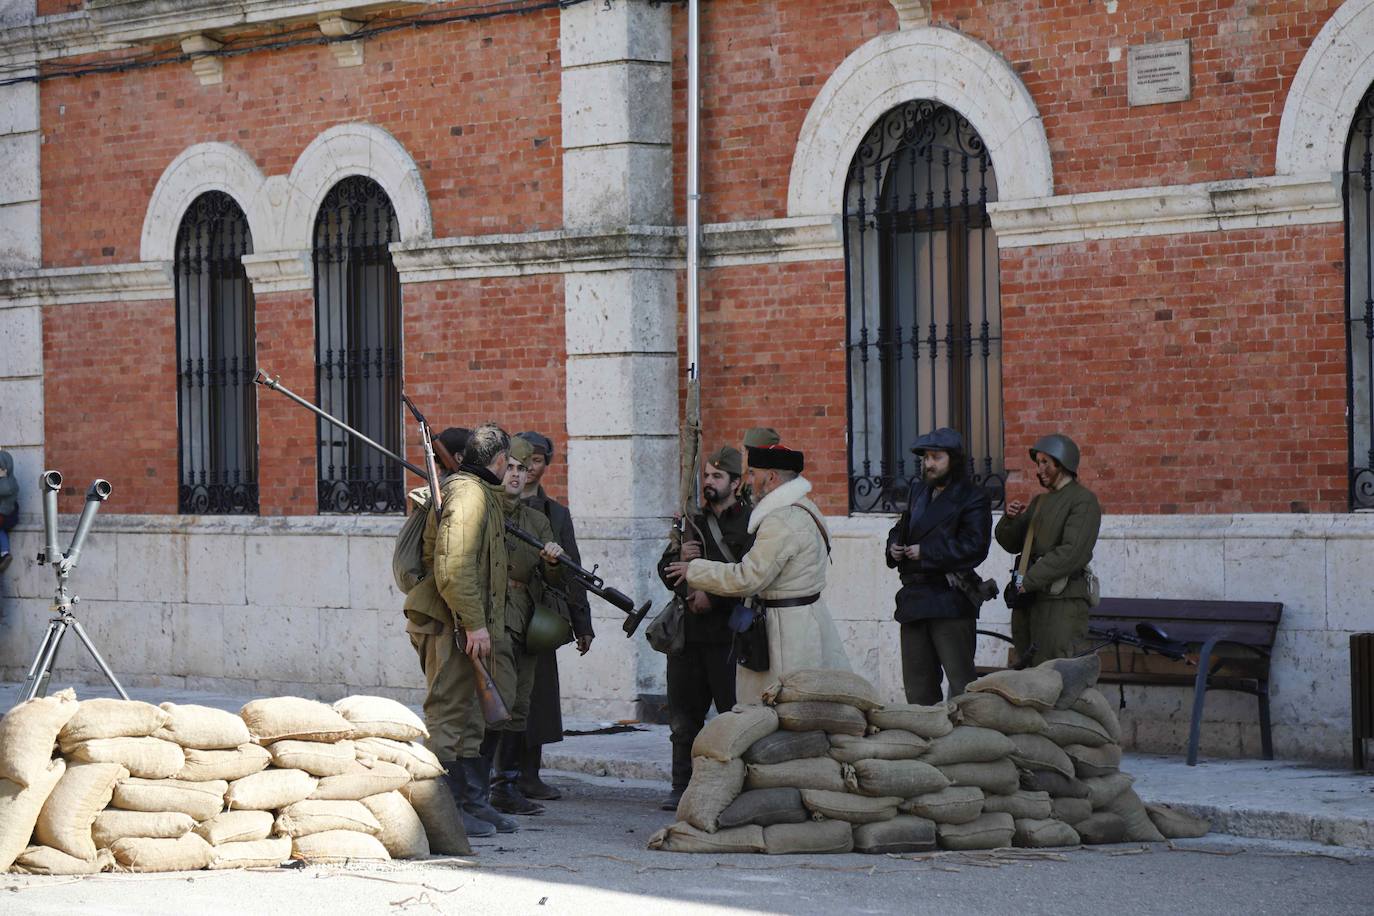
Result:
pixel 1266 736
pixel 1204 665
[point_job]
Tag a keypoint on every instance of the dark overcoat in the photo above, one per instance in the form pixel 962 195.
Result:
pixel 954 530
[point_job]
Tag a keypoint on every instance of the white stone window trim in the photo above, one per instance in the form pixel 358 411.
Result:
pixel 197 169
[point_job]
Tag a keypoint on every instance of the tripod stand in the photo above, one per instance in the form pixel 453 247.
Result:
pixel 40 672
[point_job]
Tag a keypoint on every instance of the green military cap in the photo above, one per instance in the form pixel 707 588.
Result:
pixel 520 449
pixel 761 437
pixel 728 459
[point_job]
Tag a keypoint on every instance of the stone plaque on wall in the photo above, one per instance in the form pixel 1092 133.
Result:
pixel 1159 72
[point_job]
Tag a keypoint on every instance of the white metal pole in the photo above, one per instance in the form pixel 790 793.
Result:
pixel 693 188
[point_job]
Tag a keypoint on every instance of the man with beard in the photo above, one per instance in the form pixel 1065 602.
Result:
pixel 945 532
pixel 704 672
pixel 1063 524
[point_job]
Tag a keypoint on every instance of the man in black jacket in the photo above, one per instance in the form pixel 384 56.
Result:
pixel 947 528
pixel 705 671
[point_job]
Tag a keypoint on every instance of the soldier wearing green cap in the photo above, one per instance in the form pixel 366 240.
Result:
pixel 755 437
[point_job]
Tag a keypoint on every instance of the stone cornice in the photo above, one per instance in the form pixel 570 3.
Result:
pixel 279 271
pixel 1208 207
pixel 104 283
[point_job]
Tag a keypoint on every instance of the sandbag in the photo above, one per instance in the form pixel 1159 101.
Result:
pixel 314 757
pixel 237 827
pixel 845 806
pixel 925 721
pixel 1101 827
pixel 433 803
pixel 113 824
pixel 20 807
pixel 202 728
pixel 371 778
pixel 402 834
pixel 1094 761
pixel 1131 810
pixel 44 860
pixel 418 760
pixel 305 817
pixel 1071 810
pixel 67 815
pixel 338 846
pixel 781 747
pixel 825 685
pixel 811 838
pixel 228 765
pixel 1076 674
pixel 990 831
pixel 1065 727
pixel 269 789
pixel 185 853
pixel 715 784
pixel 1098 708
pixel 902 778
pixel 969 744
pixel 283 718
pixel 1035 687
pixel 892 744
pixel 807 773
pixel 952 805
pixel 1175 823
pixel 264 853
pixel 1022 805
pixel 1042 833
pixel 904 833
pixel 730 734
pixel 379 717
pixel 28 733
pixel 1102 790
pixel 683 837
pixel 1036 752
pixel 764 807
pixel 202 800
pixel 996 778
pixel 990 710
pixel 1056 784
pixel 146 758
pixel 108 718
pixel 813 715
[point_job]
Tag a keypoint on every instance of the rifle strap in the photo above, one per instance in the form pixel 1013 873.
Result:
pixel 714 525
pixel 1026 547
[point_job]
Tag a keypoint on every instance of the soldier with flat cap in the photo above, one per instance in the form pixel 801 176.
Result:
pixel 704 672
pixel 1057 531
pixel 944 533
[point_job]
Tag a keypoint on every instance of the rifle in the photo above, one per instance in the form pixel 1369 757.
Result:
pixel 1147 638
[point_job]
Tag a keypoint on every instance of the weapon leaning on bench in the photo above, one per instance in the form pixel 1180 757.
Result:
pixel 587 578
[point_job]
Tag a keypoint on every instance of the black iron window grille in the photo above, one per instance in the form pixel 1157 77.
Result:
pixel 217 423
pixel 1359 302
pixel 358 347
pixel 924 335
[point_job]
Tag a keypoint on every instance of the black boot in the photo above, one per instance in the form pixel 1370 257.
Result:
pixel 505 788
pixel 531 759
pixel 478 773
pixel 456 777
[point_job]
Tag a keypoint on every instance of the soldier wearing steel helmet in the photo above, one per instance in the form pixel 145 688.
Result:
pixel 1067 518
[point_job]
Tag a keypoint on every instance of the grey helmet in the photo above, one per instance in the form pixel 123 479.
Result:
pixel 1059 447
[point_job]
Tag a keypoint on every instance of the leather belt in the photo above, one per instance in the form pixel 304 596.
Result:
pixel 790 602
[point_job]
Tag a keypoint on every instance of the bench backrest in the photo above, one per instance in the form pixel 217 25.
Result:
pixel 1254 623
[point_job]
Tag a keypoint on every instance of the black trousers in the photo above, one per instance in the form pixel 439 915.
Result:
pixel 703 674
pixel 933 644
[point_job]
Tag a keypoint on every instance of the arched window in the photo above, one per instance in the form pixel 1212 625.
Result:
pixel 358 347
pixel 217 424
pixel 924 337
pixel 1359 302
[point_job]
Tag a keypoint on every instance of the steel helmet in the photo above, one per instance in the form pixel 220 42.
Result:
pixel 546 630
pixel 1059 447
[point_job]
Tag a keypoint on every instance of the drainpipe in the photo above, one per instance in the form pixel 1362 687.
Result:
pixel 693 190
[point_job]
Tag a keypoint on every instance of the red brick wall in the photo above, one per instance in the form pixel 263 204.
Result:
pixel 287 432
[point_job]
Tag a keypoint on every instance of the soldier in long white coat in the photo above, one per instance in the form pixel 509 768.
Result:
pixel 784 571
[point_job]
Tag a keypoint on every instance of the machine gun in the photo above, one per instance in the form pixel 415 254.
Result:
pixel 1147 638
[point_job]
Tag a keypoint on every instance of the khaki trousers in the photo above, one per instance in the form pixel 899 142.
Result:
pixel 452 713
pixel 1055 626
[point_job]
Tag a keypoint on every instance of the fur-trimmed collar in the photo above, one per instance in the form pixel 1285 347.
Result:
pixel 787 494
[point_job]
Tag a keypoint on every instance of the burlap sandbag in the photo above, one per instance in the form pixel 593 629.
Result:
pixel 714 785
pixel 814 715
pixel 67 815
pixel 1036 752
pixel 338 846
pixel 892 744
pixel 20 807
pixel 996 778
pixel 202 800
pixel 764 807
pixel 433 803
pixel 1035 687
pixel 402 834
pixel 146 758
pixel 283 718
pixel 969 744
pixel 1131 810
pixel 1071 810
pixel 379 717
pixel 825 685
pixel 228 765
pixel 781 747
pixel 729 735
pixel 28 733
pixel 1102 827
pixel 305 817
pixel 989 710
pixel 418 760
pixel 44 860
pixel 683 837
pixel 811 838
pixel 269 790
pixel 314 757
pixel 1022 805
pixel 1175 823
pixel 990 831
pixel 902 778
pixel 1056 784
pixel 904 833
pixel 952 805
pixel 807 773
pixel 264 853
pixel 1098 708
pixel 370 777
pixel 845 806
pixel 113 824
pixel 925 721
pixel 1065 727
pixel 1043 833
pixel 185 853
pixel 1103 790
pixel 1094 761
pixel 1076 674
pixel 203 728
pixel 108 718
pixel 236 827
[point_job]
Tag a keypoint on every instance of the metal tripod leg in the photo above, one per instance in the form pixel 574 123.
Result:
pixel 41 669
pixel 90 646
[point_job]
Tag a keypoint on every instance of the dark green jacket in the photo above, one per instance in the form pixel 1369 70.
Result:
pixel 1066 530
